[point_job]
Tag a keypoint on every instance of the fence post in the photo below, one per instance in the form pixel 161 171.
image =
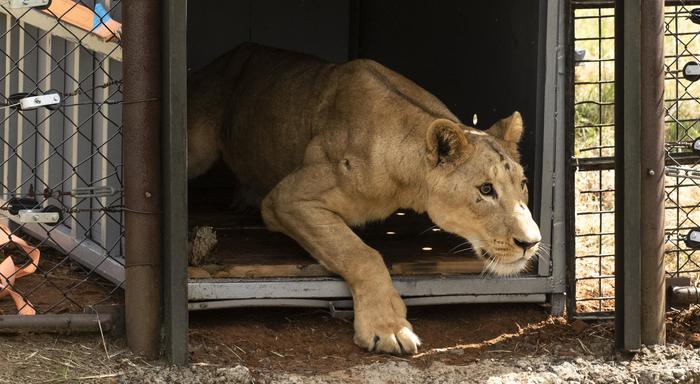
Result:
pixel 639 173
pixel 142 176
pixel 652 166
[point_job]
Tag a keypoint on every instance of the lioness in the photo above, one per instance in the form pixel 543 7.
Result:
pixel 331 146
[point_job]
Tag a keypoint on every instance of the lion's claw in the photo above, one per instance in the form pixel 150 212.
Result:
pixel 402 340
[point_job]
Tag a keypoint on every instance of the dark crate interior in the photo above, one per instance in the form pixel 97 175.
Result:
pixel 479 58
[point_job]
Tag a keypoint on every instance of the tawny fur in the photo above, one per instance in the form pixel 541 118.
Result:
pixel 327 146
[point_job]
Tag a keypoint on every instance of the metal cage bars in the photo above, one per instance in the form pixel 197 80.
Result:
pixel 592 152
pixel 680 194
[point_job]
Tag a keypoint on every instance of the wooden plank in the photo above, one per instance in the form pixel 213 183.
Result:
pixel 287 268
pixel 69 32
pixel 407 242
pixel 454 266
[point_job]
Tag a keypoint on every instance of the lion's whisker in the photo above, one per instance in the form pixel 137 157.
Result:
pixel 463 250
pixel 457 246
pixel 428 230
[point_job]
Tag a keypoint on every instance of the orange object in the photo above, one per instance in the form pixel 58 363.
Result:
pixel 96 21
pixel 9 273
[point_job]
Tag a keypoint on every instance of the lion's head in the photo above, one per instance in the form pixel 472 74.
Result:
pixel 478 191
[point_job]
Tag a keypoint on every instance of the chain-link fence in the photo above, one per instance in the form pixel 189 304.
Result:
pixel 61 232
pixel 593 153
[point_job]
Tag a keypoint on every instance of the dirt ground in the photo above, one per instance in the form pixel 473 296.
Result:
pixel 462 344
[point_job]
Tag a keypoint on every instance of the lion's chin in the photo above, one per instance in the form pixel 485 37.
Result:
pixel 500 268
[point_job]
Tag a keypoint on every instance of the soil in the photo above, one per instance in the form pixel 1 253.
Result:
pixel 305 342
pixel 462 344
pixel 60 285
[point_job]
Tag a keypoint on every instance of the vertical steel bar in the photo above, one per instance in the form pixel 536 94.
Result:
pixel 43 149
pixel 570 211
pixel 100 136
pixel 71 131
pixel 142 178
pixel 653 278
pixel 546 90
pixel 175 179
pixel 559 19
pixel 599 133
pixel 551 102
pixel 19 148
pixel 627 173
pixel 8 112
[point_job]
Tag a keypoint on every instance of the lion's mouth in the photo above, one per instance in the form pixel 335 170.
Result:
pixel 503 267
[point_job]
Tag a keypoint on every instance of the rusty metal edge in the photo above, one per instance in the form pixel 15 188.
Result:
pixel 60 323
pixel 142 174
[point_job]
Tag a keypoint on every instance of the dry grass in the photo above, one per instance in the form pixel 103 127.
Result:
pixel 61 359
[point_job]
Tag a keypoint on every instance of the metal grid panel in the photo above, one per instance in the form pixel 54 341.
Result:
pixel 52 159
pixel 593 152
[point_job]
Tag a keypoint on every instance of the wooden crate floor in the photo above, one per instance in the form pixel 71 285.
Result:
pixel 409 243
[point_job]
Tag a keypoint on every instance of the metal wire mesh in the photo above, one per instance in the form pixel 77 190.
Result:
pixel 593 152
pixel 62 159
pixel 682 46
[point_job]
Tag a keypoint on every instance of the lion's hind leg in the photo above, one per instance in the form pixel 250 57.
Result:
pixel 203 147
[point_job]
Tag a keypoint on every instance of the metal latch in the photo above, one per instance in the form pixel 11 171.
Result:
pixel 33 102
pixel 41 4
pixel 695 15
pixel 38 216
pixel 98 191
pixel 692 239
pixel 688 173
pixel 340 313
pixel 691 71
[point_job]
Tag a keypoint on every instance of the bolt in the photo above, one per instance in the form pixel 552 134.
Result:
pixel 55 98
pixel 651 172
pixel 25 2
pixel 37 101
pixel 148 195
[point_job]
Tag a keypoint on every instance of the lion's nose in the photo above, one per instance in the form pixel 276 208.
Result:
pixel 524 244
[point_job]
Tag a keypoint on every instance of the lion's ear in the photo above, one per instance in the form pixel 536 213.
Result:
pixel 447 144
pixel 509 131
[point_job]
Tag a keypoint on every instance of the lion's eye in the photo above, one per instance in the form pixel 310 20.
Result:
pixel 486 189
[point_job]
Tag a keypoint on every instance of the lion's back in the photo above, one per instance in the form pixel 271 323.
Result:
pixel 280 100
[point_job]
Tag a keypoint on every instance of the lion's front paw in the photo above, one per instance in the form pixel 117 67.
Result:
pixel 387 337
pixel 384 328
